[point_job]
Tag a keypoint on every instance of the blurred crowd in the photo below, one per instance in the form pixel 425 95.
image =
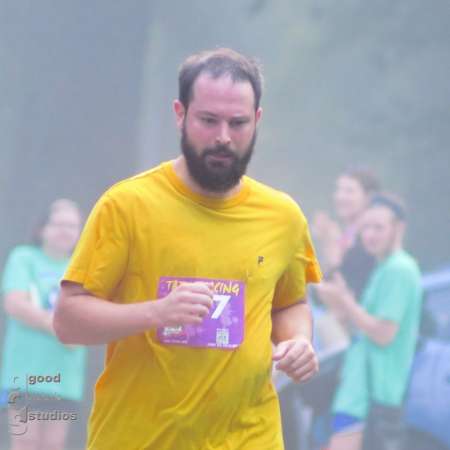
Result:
pixel 368 304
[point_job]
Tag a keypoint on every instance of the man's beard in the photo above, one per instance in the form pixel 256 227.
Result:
pixel 215 176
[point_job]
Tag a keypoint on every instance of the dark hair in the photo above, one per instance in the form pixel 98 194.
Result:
pixel 392 202
pixel 365 177
pixel 45 217
pixel 219 62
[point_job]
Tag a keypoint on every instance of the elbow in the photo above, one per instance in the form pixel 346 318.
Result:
pixel 12 304
pixel 60 329
pixel 61 324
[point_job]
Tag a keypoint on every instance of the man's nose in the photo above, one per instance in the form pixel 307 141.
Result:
pixel 223 137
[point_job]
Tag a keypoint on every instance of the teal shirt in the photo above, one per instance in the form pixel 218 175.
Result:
pixel 374 373
pixel 29 352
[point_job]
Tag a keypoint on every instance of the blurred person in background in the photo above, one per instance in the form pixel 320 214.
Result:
pixel 377 365
pixel 339 246
pixel 43 378
pixel 342 256
pixel 189 271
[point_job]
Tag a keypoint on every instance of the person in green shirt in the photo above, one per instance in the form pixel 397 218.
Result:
pixel 43 378
pixel 386 322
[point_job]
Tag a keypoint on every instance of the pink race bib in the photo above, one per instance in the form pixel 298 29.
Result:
pixel 224 325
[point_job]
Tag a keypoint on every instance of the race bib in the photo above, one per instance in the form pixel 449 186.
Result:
pixel 224 325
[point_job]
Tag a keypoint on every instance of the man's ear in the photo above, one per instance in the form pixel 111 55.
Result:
pixel 258 114
pixel 180 113
pixel 399 232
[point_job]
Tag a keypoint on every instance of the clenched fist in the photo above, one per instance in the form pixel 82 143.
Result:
pixel 297 359
pixel 187 304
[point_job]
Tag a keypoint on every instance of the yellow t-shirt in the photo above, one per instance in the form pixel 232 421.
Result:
pixel 153 395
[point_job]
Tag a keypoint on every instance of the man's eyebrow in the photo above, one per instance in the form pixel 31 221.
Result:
pixel 236 117
pixel 206 113
pixel 240 118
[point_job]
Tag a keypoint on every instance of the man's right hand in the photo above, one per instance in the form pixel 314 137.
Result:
pixel 187 304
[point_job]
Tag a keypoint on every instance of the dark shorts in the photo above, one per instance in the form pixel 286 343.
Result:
pixel 346 423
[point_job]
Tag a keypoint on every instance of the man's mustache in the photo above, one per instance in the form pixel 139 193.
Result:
pixel 219 150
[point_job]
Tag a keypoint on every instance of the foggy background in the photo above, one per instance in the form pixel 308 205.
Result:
pixel 86 91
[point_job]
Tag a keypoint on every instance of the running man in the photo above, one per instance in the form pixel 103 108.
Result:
pixel 189 272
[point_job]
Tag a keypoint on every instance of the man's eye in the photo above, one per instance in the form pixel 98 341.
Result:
pixel 208 120
pixel 237 123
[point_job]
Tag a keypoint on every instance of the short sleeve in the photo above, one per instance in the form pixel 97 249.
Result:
pixel 101 255
pixel 303 268
pixel 398 288
pixel 17 275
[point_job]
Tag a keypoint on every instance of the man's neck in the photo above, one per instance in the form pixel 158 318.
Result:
pixel 386 255
pixel 181 169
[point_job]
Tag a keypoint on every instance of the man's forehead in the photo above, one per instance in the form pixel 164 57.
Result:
pixel 378 213
pixel 209 89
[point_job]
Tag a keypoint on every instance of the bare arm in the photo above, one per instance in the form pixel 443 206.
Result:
pixel 18 305
pixel 336 295
pixel 82 318
pixel 289 323
pixel 292 334
pixel 380 331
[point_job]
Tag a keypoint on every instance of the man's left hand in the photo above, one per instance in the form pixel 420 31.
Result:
pixel 296 358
